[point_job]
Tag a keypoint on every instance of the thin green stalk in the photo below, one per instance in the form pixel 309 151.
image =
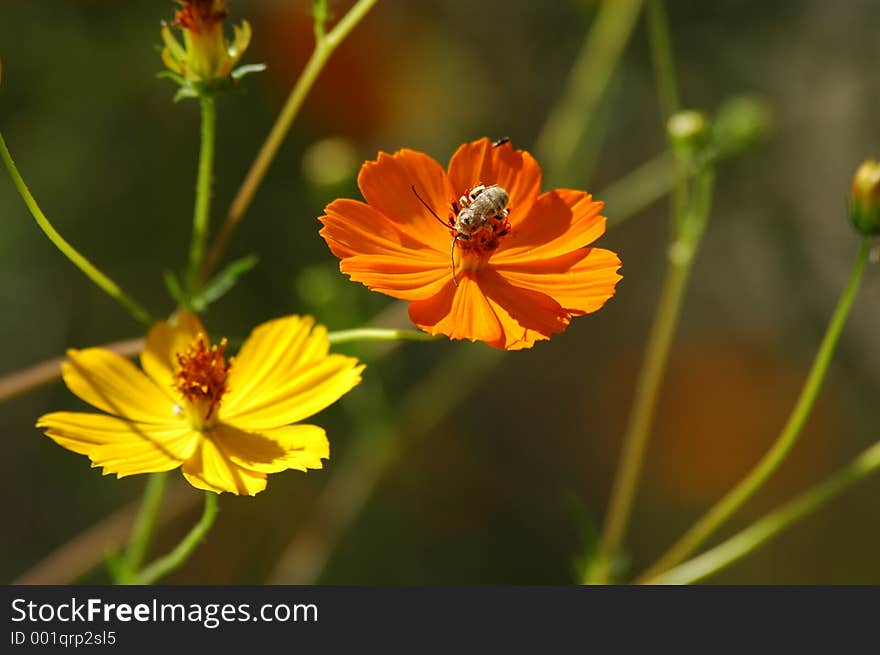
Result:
pixel 324 47
pixel 588 80
pixel 786 440
pixel 105 283
pixel 641 416
pixel 638 189
pixel 662 58
pixel 688 224
pixel 144 525
pixel 173 560
pixel 759 533
pixel 635 440
pixel 202 213
pixel 663 61
pixel 379 334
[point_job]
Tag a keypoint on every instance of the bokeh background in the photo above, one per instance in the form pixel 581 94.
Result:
pixel 452 463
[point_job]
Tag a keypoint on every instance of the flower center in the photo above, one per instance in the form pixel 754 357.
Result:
pixel 202 377
pixel 479 220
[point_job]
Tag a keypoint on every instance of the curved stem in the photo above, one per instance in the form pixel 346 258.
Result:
pixel 787 438
pixel 564 128
pixel 144 524
pixel 105 283
pixel 324 47
pixel 734 549
pixel 380 334
pixel 173 560
pixel 202 213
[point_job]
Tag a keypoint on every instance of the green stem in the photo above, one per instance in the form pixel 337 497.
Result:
pixel 202 213
pixel 762 531
pixel 144 524
pixel 638 189
pixel 641 416
pixel 83 264
pixel 667 89
pixel 173 560
pixel 324 47
pixel 688 224
pixel 787 438
pixel 662 58
pixel 379 334
pixel 681 256
pixel 563 131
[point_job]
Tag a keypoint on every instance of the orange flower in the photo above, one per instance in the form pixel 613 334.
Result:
pixel 520 270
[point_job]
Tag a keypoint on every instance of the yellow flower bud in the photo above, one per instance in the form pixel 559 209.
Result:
pixel 205 56
pixel 864 206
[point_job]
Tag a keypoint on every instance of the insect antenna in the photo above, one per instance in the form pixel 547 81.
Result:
pixel 440 220
pixel 428 207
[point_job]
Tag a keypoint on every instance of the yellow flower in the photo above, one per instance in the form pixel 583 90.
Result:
pixel 206 55
pixel 227 423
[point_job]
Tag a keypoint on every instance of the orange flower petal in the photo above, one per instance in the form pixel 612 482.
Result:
pixel 164 341
pixel 461 312
pixel 527 315
pixel 515 170
pixel 352 227
pixel 396 277
pixel 580 281
pixel 387 185
pixel 560 221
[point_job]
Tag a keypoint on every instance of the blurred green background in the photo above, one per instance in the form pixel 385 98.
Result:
pixel 462 477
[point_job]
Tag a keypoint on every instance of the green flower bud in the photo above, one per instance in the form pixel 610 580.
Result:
pixel 740 123
pixel 864 203
pixel 689 131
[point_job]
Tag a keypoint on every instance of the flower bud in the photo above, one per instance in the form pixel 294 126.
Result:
pixel 688 131
pixel 864 204
pixel 741 122
pixel 205 55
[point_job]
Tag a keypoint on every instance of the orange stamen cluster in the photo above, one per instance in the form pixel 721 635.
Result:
pixel 200 15
pixel 202 375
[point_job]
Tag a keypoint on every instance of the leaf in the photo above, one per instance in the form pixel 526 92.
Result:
pixel 221 283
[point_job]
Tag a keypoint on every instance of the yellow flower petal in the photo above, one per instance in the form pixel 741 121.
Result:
pixel 112 383
pixel 284 374
pixel 119 446
pixel 294 397
pixel 210 469
pixel 271 353
pixel 165 340
pixel 293 447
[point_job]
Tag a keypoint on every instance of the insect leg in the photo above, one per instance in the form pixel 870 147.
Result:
pixel 452 257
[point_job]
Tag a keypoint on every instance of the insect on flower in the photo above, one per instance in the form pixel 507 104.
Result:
pixel 481 213
pixel 523 261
